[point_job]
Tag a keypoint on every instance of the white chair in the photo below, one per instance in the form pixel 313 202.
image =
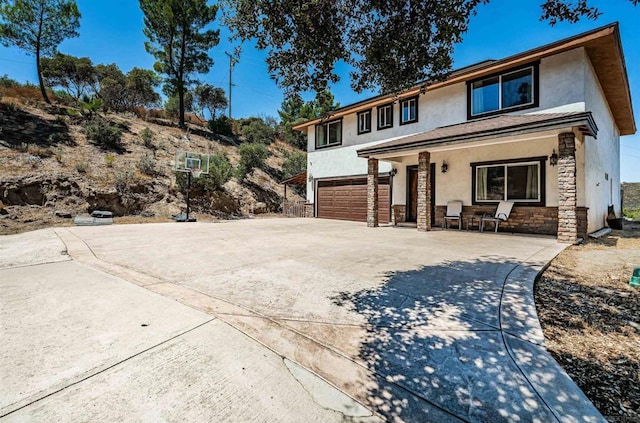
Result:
pixel 502 215
pixel 454 212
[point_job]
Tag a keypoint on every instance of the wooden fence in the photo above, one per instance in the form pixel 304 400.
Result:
pixel 294 208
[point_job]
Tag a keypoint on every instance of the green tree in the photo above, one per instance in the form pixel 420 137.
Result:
pixel 294 163
pixel 38 27
pixel 180 41
pixel 140 87
pixel 173 107
pixel 391 44
pixel 211 98
pixel 76 75
pixel 110 85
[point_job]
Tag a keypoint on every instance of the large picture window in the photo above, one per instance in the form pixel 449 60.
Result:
pixel 329 133
pixel 408 110
pixel 508 91
pixel 519 181
pixel 385 116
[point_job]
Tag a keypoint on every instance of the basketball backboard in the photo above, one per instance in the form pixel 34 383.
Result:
pixel 187 160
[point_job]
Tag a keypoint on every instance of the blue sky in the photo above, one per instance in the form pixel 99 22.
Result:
pixel 111 31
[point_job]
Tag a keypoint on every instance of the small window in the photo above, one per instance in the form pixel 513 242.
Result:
pixel 409 110
pixel 385 116
pixel 508 91
pixel 329 133
pixel 364 122
pixel 519 182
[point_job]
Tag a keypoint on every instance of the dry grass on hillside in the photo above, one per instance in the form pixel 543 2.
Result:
pixel 591 320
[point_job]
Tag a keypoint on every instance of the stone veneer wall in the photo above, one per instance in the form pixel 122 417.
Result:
pixel 523 219
pixel 398 214
pixel 423 221
pixel 372 193
pixel 308 209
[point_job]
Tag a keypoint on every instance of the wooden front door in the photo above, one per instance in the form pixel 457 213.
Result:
pixel 412 193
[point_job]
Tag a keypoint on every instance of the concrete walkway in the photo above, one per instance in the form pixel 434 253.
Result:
pixel 354 324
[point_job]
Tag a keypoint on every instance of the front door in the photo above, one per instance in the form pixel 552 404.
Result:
pixel 412 193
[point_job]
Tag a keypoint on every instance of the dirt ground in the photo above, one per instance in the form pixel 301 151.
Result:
pixel 590 316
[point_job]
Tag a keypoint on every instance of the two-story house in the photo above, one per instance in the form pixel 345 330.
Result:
pixel 541 128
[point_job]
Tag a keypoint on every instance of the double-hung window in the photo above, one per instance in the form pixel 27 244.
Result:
pixel 329 133
pixel 364 122
pixel 408 110
pixel 507 91
pixel 385 116
pixel 518 181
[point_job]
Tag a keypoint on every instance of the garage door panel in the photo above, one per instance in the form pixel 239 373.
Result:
pixel 347 199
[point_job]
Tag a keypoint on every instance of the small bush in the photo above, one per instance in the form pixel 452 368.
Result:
pixel 42 152
pixel 256 129
pixel 147 136
pixel 124 178
pixel 109 160
pixel 220 171
pixel 147 164
pixel 221 125
pixel 104 134
pixel 58 155
pixel 82 167
pixel 252 155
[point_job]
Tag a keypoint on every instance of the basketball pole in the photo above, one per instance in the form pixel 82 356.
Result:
pixel 188 189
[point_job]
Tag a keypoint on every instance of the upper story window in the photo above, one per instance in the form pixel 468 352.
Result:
pixel 329 133
pixel 364 122
pixel 508 91
pixel 521 181
pixel 385 116
pixel 408 110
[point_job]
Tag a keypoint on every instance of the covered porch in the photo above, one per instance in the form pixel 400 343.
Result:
pixel 531 160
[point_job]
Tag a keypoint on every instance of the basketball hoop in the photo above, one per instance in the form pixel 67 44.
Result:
pixel 196 172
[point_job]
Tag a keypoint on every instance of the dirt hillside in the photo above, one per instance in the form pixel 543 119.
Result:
pixel 48 167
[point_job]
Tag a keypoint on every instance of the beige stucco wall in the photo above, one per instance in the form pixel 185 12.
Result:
pixel 456 183
pixel 602 156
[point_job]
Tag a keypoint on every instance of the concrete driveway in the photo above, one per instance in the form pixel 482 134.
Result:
pixel 277 320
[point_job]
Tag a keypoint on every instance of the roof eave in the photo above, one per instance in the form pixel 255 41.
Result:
pixel 583 122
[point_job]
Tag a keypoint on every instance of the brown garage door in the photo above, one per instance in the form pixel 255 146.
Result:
pixel 346 199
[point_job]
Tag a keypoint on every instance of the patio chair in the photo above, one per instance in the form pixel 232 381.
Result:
pixel 502 215
pixel 454 212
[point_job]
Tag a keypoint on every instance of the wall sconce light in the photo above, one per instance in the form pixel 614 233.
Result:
pixel 310 177
pixel 444 167
pixel 393 172
pixel 553 160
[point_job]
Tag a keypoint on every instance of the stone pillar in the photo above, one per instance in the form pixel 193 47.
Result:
pixel 567 189
pixel 424 191
pixel 372 193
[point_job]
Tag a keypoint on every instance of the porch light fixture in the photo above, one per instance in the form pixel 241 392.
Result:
pixel 444 167
pixel 393 172
pixel 553 160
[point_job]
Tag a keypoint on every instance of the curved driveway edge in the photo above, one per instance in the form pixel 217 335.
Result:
pixel 524 340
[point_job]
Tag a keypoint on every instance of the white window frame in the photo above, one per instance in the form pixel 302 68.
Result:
pixel 506 178
pixel 384 114
pixel 326 131
pixel 500 76
pixel 362 115
pixel 407 103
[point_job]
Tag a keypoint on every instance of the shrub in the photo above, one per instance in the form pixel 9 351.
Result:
pixel 221 125
pixel 109 160
pixel 294 163
pixel 147 137
pixel 256 129
pixel 220 171
pixel 104 134
pixel 82 167
pixel 252 155
pixel 123 179
pixel 42 152
pixel 147 164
